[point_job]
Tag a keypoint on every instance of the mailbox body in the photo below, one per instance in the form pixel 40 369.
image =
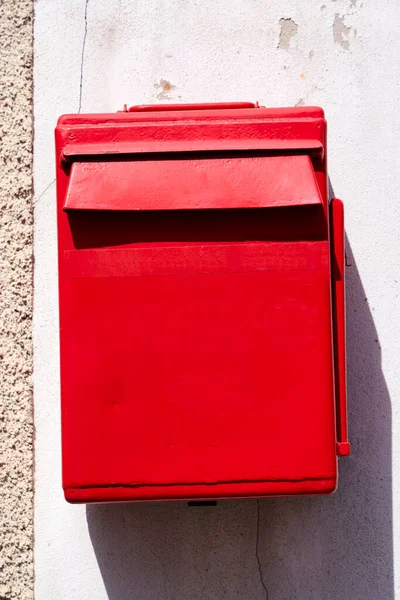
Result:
pixel 201 304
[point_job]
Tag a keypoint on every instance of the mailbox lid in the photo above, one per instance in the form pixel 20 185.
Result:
pixel 189 182
pixel 211 129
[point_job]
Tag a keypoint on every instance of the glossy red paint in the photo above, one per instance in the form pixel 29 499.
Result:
pixel 201 304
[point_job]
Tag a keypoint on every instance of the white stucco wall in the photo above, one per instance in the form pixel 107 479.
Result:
pixel 342 55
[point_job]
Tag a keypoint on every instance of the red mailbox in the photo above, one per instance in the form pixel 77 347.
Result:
pixel 201 286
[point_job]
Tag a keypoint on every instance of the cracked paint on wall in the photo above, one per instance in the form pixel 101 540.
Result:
pixel 257 543
pixel 83 55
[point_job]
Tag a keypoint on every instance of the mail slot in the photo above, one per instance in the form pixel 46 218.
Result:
pixel 201 291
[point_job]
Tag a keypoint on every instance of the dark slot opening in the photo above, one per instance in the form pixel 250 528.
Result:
pixel 107 229
pixel 315 155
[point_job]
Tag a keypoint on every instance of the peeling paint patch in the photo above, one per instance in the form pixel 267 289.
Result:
pixel 165 88
pixel 311 54
pixel 288 31
pixel 323 7
pixel 302 75
pixel 300 102
pixel 341 32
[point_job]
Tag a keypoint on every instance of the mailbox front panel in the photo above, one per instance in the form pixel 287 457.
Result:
pixel 195 309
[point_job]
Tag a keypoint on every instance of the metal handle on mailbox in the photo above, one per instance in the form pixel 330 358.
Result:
pixel 198 106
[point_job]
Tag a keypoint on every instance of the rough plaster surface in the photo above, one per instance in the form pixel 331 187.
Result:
pixel 100 54
pixel 16 265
